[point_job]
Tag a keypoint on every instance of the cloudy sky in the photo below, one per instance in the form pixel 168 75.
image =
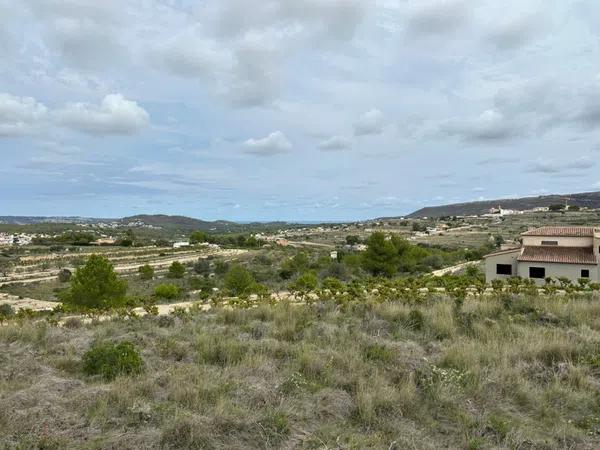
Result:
pixel 294 109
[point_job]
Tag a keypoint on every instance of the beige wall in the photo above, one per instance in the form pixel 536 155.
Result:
pixel 562 241
pixel 521 269
pixel 503 258
pixel 571 271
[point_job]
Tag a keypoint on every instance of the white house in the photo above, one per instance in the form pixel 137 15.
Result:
pixel 571 252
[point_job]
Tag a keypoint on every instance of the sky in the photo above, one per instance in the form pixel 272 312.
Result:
pixel 299 110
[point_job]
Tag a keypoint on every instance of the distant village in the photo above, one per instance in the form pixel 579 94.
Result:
pixel 284 237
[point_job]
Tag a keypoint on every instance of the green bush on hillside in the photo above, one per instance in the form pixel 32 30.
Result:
pixel 166 291
pixel 146 272
pixel 110 360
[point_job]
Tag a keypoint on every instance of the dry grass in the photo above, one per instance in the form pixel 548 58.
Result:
pixel 496 373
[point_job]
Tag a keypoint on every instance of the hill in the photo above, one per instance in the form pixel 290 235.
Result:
pixel 34 220
pixel 585 199
pixel 181 222
pixel 169 223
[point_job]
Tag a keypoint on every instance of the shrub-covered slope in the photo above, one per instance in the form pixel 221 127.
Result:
pixel 501 372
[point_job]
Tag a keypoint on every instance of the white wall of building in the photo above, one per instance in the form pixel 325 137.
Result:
pixel 562 241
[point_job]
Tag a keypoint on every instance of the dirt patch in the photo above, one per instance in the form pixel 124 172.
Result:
pixel 26 303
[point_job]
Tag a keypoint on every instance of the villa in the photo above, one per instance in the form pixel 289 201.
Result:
pixel 571 252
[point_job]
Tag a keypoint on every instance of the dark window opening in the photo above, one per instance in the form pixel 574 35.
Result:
pixel 585 273
pixel 549 242
pixel 503 269
pixel 537 272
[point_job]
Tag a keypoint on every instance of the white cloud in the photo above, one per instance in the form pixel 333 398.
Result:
pixel 241 53
pixel 19 115
pixel 115 115
pixel 491 125
pixel 274 143
pixel 370 122
pixel 335 143
pixel 86 33
pixel 553 166
pixel 437 17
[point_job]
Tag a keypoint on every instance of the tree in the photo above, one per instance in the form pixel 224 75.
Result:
pixel 557 207
pixel 239 281
pixel 352 239
pixel 176 270
pixel 64 275
pixel 574 208
pixel 204 284
pixel 381 256
pixel 95 286
pixel 221 267
pixel 300 261
pixel 197 237
pixel 498 240
pixel 417 226
pixel 146 272
pixel 202 266
pixel 5 264
pixel 306 282
pixel 129 239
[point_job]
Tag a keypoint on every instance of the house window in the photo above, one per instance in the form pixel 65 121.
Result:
pixel 585 273
pixel 503 269
pixel 549 242
pixel 537 272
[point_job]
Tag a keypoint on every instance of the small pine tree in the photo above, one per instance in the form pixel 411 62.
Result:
pixel 176 270
pixel 239 281
pixel 146 272
pixel 95 286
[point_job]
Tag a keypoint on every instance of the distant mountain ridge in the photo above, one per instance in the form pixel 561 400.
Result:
pixel 29 220
pixel 167 222
pixel 584 199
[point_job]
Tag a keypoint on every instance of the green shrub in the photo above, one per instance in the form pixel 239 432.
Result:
pixel 176 270
pixel 377 353
pixel 110 360
pixel 220 351
pixel 166 291
pixel 333 284
pixel 73 322
pixel 6 310
pixel 146 272
pixel 64 275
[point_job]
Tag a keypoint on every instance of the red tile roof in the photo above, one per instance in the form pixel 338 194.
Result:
pixel 564 255
pixel 561 231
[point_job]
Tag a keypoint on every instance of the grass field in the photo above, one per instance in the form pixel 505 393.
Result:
pixel 505 372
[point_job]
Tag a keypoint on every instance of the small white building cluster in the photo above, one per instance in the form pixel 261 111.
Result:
pixel 499 211
pixel 7 239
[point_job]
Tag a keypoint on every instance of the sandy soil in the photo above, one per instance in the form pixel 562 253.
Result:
pixel 26 303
